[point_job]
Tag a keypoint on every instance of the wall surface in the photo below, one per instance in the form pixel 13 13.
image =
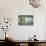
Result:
pixel 14 8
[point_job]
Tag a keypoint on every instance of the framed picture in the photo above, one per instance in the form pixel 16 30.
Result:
pixel 25 19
